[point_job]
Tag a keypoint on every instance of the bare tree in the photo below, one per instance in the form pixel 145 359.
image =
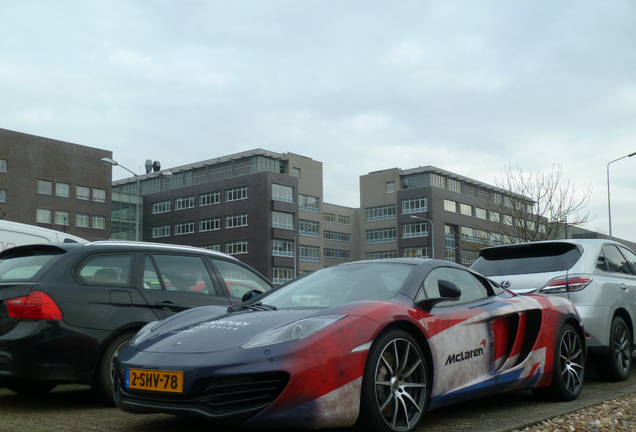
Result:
pixel 538 206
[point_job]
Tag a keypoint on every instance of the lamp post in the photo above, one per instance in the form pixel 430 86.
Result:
pixel 609 208
pixel 432 233
pixel 109 161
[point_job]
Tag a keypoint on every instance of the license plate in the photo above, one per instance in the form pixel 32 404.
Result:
pixel 161 381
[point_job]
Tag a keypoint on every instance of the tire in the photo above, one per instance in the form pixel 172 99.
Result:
pixel 29 387
pixel 104 374
pixel 569 367
pixel 617 365
pixel 394 384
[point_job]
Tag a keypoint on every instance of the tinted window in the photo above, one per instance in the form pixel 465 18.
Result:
pixel 107 269
pixel 472 288
pixel 238 279
pixel 26 265
pixel 616 263
pixel 530 258
pixel 630 257
pixel 179 273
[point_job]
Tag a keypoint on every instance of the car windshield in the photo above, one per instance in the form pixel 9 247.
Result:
pixel 26 265
pixel 342 284
pixel 526 259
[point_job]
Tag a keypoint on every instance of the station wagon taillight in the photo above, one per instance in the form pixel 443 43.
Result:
pixel 567 283
pixel 37 306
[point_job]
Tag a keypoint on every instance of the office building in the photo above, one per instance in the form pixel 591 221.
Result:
pixel 55 184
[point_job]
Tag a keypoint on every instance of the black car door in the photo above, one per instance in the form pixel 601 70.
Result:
pixel 171 283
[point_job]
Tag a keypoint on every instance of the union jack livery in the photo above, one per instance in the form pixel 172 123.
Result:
pixel 373 343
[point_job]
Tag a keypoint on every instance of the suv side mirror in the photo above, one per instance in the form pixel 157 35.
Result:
pixel 448 291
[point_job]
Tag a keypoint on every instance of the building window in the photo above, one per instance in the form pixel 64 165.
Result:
pixel 235 194
pixel 337 254
pixel 414 205
pixel 329 217
pixel 181 228
pixel 390 187
pixel 450 206
pixel 469 257
pixel 160 231
pixel 83 193
pixel 336 236
pixel 236 220
pixel 415 229
pixel 99 195
pixel 236 247
pixel 99 222
pixel 309 228
pixel 212 246
pixel 62 218
pixel 309 253
pixel 451 245
pixel 283 220
pixel 344 220
pixel 63 190
pixel 416 252
pixel 481 213
pixel 381 255
pixel 495 217
pixel 43 216
pixel 161 207
pixel 453 185
pixel 437 181
pixel 283 247
pixel 381 235
pixel 82 220
pixel 282 275
pixel 45 187
pixel 379 213
pixel 282 193
pixel 3 195
pixel 209 224
pixel 507 220
pixel 184 202
pixel 466 210
pixel 308 203
pixel 4 165
pixel 468 235
pixel 210 198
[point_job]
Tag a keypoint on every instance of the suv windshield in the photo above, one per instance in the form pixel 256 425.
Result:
pixel 526 259
pixel 26 265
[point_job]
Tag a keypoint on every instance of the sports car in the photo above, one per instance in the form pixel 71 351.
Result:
pixel 373 343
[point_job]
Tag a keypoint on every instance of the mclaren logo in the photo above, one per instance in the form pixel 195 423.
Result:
pixel 466 355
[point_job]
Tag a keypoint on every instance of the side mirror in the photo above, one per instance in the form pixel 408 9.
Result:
pixel 250 295
pixel 448 291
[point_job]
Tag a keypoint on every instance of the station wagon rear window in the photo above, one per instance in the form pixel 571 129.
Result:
pixel 27 265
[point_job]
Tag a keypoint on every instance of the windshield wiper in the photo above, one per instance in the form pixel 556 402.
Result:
pixel 259 306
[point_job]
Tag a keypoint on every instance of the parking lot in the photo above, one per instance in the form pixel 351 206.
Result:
pixel 73 408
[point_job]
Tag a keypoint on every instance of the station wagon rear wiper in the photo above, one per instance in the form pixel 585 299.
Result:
pixel 259 306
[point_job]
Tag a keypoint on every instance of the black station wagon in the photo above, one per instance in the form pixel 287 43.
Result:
pixel 66 309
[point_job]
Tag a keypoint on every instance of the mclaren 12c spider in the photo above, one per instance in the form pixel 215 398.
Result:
pixel 373 343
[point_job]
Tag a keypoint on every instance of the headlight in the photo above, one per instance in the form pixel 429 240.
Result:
pixel 293 331
pixel 141 334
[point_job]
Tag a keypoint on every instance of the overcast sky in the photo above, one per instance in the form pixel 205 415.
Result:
pixel 362 85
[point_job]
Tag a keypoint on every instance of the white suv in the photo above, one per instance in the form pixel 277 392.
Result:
pixel 598 276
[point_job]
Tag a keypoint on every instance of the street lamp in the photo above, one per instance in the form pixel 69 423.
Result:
pixel 609 208
pixel 432 233
pixel 109 161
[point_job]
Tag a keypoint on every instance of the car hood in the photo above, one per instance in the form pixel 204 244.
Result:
pixel 525 283
pixel 211 329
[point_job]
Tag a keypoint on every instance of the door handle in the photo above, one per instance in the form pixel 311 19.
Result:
pixel 168 305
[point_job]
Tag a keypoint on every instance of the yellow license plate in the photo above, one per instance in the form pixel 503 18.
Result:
pixel 161 381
